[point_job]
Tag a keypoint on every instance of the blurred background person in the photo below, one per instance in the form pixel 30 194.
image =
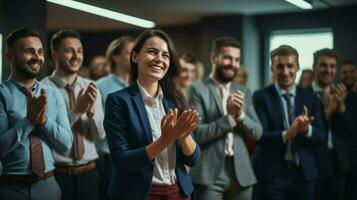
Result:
pixel 200 68
pixel 188 70
pixel 332 157
pixel 242 76
pixel 307 76
pixel 347 75
pixel 96 67
pixel 84 72
pixel 118 60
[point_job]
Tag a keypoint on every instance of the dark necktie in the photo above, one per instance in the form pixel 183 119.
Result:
pixel 289 106
pixel 291 115
pixel 78 146
pixel 37 160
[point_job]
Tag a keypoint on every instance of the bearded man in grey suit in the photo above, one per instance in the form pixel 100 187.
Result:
pixel 228 116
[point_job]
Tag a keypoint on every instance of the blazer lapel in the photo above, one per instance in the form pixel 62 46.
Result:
pixel 217 98
pixel 277 105
pixel 298 102
pixel 141 111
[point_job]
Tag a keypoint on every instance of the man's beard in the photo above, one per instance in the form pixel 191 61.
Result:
pixel 26 73
pixel 221 76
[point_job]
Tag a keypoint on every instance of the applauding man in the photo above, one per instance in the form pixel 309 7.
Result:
pixel 291 120
pixel 333 156
pixel 76 169
pixel 33 122
pixel 228 116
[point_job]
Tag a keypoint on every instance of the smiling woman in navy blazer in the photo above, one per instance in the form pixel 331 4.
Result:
pixel 149 143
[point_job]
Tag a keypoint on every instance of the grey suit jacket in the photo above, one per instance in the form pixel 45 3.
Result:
pixel 211 134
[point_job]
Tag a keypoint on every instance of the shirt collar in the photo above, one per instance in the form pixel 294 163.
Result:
pixel 282 92
pixel 21 87
pixel 147 98
pixel 60 82
pixel 219 85
pixel 316 88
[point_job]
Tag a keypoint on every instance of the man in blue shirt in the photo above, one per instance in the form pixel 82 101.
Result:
pixel 33 122
pixel 118 59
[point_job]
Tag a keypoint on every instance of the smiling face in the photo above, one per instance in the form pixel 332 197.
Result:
pixel 348 75
pixel 69 55
pixel 284 68
pixel 325 70
pixel 226 63
pixel 27 57
pixel 187 73
pixel 153 60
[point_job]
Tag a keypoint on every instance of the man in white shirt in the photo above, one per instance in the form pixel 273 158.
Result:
pixel 228 117
pixel 76 169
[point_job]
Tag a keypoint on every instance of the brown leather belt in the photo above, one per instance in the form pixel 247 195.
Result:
pixel 25 178
pixel 72 170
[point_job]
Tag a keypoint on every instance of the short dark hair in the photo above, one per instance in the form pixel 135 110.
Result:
pixel 221 42
pixel 324 52
pixel 62 34
pixel 284 50
pixel 115 47
pixel 20 33
pixel 167 83
pixel 348 62
pixel 188 57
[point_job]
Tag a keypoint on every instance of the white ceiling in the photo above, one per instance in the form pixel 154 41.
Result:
pixel 168 12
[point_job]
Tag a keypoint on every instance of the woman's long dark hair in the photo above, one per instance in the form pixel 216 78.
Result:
pixel 167 83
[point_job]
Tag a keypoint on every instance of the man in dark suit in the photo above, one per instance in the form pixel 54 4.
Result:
pixel 224 170
pixel 348 76
pixel 332 157
pixel 291 120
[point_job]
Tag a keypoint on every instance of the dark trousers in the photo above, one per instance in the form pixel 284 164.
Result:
pixel 82 186
pixel 289 184
pixel 41 190
pixel 330 184
pixel 104 167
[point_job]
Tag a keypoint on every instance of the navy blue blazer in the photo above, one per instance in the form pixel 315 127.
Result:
pixel 271 148
pixel 128 130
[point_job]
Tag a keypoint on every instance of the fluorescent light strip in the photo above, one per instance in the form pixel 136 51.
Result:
pixel 300 3
pixel 105 13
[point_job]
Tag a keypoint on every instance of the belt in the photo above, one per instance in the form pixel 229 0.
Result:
pixel 72 170
pixel 25 178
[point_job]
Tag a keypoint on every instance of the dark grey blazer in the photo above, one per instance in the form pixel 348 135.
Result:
pixel 211 134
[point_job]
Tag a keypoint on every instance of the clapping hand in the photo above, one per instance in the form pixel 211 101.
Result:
pixel 177 127
pixel 37 108
pixel 85 100
pixel 300 124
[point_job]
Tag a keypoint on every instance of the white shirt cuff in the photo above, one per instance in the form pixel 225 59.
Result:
pixel 232 121
pixel 283 134
pixel 309 132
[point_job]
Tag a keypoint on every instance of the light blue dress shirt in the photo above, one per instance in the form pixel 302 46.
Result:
pixel 15 127
pixel 107 85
